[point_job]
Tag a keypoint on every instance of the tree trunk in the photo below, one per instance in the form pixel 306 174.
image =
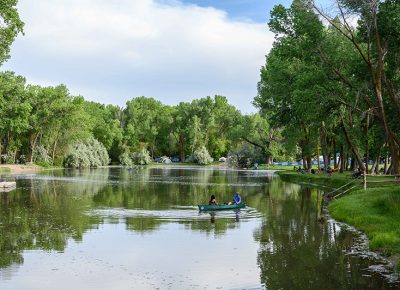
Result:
pixel 366 141
pixel 395 164
pixel 335 161
pixel 309 163
pixel 352 163
pixel 182 148
pixel 318 162
pixel 390 169
pixel 385 168
pixel 375 166
pixel 324 146
pixel 15 155
pixel 53 153
pixel 32 141
pixel 353 147
pixel 342 157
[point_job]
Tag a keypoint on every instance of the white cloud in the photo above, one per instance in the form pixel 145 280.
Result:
pixel 111 51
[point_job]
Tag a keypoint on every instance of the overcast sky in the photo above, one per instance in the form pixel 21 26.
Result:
pixel 113 50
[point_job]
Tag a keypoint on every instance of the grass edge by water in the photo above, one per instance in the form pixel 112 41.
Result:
pixel 375 211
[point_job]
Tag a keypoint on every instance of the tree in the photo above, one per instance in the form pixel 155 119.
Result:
pixel 89 153
pixel 145 119
pixel 376 41
pixel 255 129
pixel 10 26
pixel 15 112
pixel 105 126
pixel 290 80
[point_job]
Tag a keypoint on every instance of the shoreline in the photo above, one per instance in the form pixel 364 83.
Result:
pixel 372 212
pixel 19 168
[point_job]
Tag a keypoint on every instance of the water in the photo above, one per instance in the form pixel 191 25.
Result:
pixel 116 228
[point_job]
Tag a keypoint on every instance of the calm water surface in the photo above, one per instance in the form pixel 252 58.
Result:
pixel 116 228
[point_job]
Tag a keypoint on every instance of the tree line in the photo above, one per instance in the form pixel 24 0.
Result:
pixel 330 85
pixel 49 126
pixel 331 82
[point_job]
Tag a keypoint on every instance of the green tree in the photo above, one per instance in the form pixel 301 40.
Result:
pixel 146 118
pixel 14 112
pixel 376 42
pixel 10 26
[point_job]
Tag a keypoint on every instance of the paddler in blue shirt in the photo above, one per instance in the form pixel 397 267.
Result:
pixel 236 199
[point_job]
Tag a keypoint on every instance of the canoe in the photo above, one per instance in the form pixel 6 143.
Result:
pixel 205 207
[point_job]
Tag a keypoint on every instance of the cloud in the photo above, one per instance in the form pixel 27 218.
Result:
pixel 110 51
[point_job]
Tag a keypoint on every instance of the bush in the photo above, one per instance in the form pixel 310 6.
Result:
pixel 22 159
pixel 201 156
pixel 40 155
pixel 88 153
pixel 244 156
pixel 142 157
pixel 44 164
pixel 125 159
pixel 9 158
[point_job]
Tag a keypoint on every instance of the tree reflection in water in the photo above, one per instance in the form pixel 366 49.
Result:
pixel 298 251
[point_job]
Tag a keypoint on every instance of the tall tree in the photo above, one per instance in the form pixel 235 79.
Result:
pixel 376 41
pixel 10 26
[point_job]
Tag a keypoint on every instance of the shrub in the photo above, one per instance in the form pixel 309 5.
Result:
pixel 22 159
pixel 201 156
pixel 125 159
pixel 88 153
pixel 142 157
pixel 9 158
pixel 244 155
pixel 40 155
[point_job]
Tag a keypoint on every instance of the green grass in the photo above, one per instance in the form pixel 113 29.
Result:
pixel 334 181
pixel 375 211
pixel 175 164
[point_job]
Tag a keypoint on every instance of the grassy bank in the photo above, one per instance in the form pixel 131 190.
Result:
pixel 376 211
pixel 333 181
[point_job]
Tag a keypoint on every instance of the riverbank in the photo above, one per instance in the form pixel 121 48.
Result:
pixel 19 169
pixel 375 211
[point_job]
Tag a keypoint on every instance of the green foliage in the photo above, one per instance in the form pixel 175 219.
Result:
pixel 11 26
pixel 41 155
pixel 104 123
pixel 142 157
pixel 244 155
pixel 125 159
pixel 201 156
pixel 88 153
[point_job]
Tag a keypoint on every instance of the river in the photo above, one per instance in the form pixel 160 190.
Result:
pixel 119 228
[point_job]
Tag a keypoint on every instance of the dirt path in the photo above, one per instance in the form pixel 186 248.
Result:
pixel 18 169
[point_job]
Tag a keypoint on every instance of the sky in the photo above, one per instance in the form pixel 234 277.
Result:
pixel 111 51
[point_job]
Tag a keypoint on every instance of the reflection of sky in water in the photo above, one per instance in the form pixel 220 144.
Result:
pixel 113 258
pixel 141 229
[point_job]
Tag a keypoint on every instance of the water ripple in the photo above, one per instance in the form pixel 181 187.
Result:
pixel 178 213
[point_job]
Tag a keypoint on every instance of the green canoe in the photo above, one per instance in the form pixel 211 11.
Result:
pixel 204 207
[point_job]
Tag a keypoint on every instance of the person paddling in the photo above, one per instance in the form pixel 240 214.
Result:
pixel 236 199
pixel 213 200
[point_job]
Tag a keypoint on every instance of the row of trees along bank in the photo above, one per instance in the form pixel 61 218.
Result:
pixel 331 81
pixel 47 125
